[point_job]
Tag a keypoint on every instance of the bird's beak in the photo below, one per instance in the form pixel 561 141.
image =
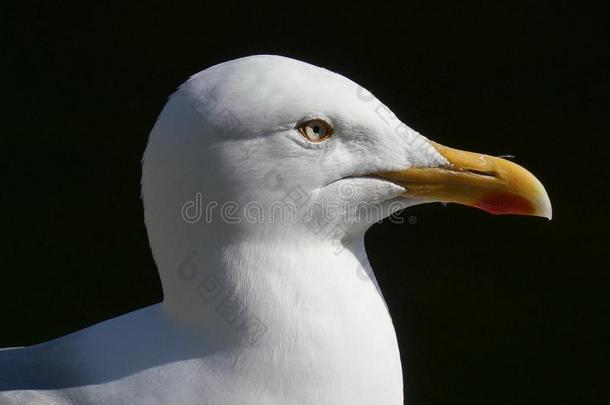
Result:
pixel 490 183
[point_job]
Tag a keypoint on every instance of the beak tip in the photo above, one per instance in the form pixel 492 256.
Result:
pixel 548 212
pixel 545 209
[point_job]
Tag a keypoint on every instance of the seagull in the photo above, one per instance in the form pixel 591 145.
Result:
pixel 260 178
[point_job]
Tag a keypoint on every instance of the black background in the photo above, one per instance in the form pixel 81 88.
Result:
pixel 488 310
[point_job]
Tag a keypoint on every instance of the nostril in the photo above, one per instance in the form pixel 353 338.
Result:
pixel 482 173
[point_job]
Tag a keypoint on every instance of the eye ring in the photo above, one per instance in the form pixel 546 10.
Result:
pixel 315 130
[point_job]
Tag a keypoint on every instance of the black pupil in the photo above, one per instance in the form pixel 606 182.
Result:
pixel 316 129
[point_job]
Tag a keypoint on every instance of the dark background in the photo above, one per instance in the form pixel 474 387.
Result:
pixel 488 310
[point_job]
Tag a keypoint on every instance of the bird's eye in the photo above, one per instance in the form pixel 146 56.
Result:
pixel 316 130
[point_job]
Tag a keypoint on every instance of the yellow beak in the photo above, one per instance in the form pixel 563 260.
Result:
pixel 490 183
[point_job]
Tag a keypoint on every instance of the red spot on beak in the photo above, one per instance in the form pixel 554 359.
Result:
pixel 505 203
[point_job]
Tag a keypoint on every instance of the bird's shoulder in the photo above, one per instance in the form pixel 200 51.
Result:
pixel 33 397
pixel 39 366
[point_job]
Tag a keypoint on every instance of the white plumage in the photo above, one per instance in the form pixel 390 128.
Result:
pixel 256 310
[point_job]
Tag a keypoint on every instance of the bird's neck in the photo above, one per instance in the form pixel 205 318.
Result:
pixel 301 311
pixel 252 291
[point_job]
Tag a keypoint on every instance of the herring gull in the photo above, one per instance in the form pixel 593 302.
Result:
pixel 260 178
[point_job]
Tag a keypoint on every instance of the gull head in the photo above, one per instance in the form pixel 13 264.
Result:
pixel 267 147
